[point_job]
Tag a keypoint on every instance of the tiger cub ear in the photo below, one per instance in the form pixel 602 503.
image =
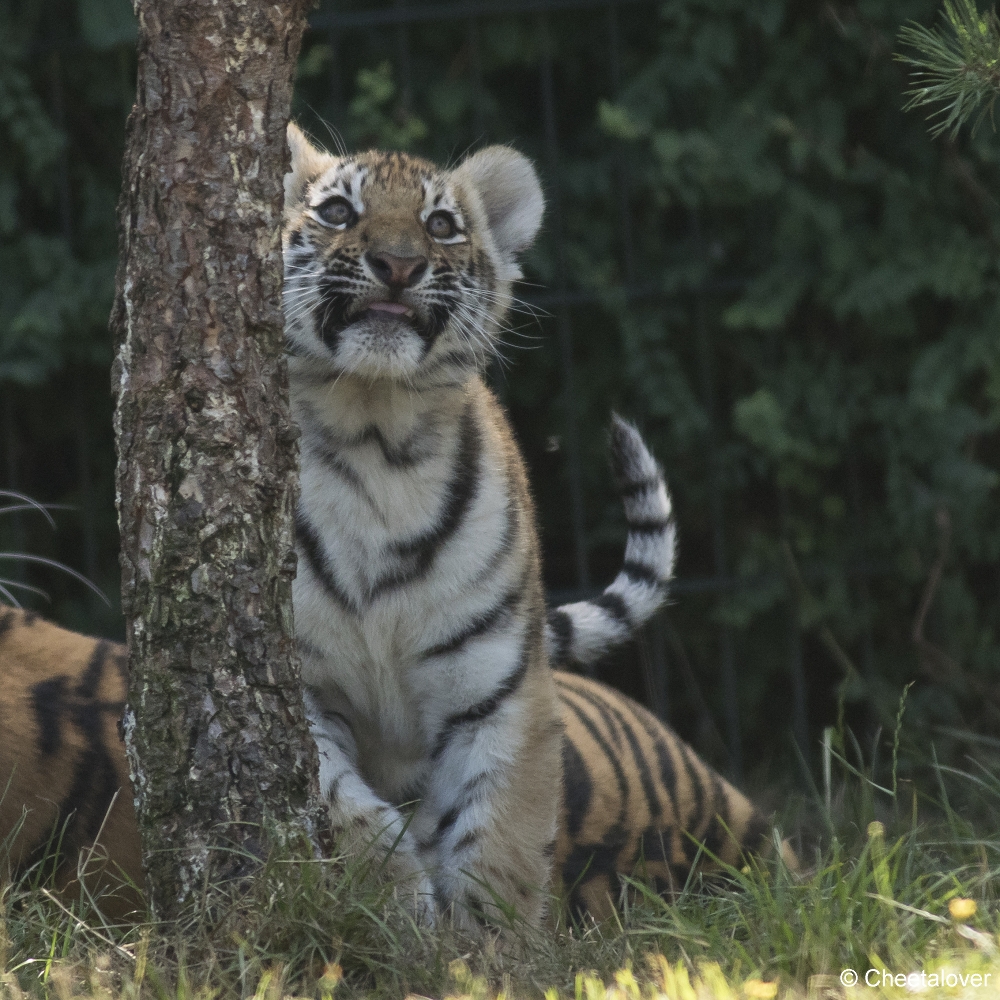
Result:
pixel 510 192
pixel 308 163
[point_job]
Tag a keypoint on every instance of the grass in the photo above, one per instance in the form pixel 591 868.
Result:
pixel 897 882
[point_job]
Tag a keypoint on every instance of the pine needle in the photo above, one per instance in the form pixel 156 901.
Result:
pixel 956 65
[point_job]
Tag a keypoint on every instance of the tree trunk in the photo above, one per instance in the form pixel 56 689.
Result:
pixel 207 456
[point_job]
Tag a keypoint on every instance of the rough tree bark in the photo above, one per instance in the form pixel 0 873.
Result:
pixel 214 729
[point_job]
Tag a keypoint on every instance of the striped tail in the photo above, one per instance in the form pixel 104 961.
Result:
pixel 583 632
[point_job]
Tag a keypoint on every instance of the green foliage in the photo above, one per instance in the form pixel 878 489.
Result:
pixel 66 73
pixel 372 123
pixel 958 67
pixel 767 263
pixel 856 353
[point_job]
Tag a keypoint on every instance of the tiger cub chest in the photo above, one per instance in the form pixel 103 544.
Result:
pixel 407 532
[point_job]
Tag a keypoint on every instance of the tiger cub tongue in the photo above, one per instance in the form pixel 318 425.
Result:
pixel 390 307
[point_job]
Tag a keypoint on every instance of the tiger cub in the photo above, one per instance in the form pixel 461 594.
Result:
pixel 419 610
pixel 635 800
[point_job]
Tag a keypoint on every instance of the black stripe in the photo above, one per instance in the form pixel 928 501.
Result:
pixel 295 258
pixel 631 490
pixel 7 620
pixel 578 789
pixel 715 834
pixel 567 684
pixel 614 604
pixel 654 845
pixel 483 709
pixel 410 452
pixel 510 534
pixel 461 490
pixel 695 822
pixel 471 788
pixel 658 733
pixel 331 791
pixel 306 648
pixel 721 806
pixel 756 836
pixel 447 821
pixel 332 461
pixel 648 526
pixel 309 545
pixel 81 812
pixel 474 908
pixel 638 572
pixel 602 744
pixel 561 625
pixel 91 678
pixel 410 795
pixel 480 624
pixel 466 840
pixel 461 358
pixel 440 313
pixel 589 865
pixel 48 698
pixel 330 314
pixel 120 660
pixel 641 764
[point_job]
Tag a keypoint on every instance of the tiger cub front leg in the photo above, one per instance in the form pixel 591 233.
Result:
pixel 358 814
pixel 486 828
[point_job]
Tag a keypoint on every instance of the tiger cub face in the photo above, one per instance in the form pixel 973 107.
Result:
pixel 396 269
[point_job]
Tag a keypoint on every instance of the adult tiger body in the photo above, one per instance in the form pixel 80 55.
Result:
pixel 632 790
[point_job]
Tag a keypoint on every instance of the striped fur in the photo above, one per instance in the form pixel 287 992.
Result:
pixel 630 786
pixel 62 765
pixel 419 608
pixel 638 801
pixel 583 632
pixel 419 611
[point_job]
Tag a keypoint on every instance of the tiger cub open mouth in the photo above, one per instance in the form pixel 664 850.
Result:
pixel 395 308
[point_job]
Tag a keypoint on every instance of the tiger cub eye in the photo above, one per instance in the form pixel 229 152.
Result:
pixel 337 212
pixel 441 225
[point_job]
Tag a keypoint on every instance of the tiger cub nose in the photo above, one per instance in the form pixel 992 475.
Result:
pixel 396 272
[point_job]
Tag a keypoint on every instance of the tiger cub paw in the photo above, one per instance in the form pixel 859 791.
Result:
pixel 382 840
